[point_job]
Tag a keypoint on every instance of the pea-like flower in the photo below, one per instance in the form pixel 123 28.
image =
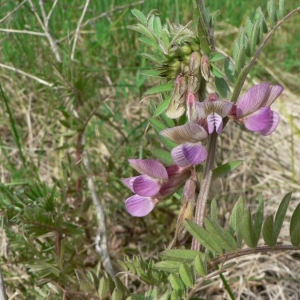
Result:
pixel 213 111
pixel 154 183
pixel 190 137
pixel 253 108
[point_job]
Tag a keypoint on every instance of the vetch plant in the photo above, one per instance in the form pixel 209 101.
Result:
pixel 188 61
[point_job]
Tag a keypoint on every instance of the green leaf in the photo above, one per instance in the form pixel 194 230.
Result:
pixel 268 232
pixel 163 106
pixel 182 255
pixel 167 121
pixel 200 264
pixel 176 282
pixel 237 212
pixel 153 58
pixel 222 87
pixel 143 30
pixel 295 227
pixel 203 236
pixel 221 236
pixel 148 42
pixel 259 15
pixel 168 266
pixel 229 69
pixel 157 125
pixel 157 26
pixel 140 16
pixel 160 89
pixel 151 73
pixel 214 210
pixel 280 214
pixel 281 9
pixel 258 220
pixel 117 295
pixel 186 275
pixel 247 230
pixel 248 26
pixel 254 36
pixel 216 56
pixel 272 13
pixel 225 169
pixel 216 71
pixel 163 155
pixel 240 61
pixel 103 289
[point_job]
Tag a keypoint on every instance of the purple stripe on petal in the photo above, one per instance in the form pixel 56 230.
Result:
pixel 139 206
pixel 275 118
pixel 214 121
pixel 222 108
pixel 259 120
pixel 188 133
pixel 194 153
pixel 150 167
pixel 178 157
pixel 146 186
pixel 252 100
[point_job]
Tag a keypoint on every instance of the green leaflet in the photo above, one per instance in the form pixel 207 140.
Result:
pixel 163 155
pixel 268 231
pixel 295 227
pixel 203 236
pixel 168 266
pixel 222 87
pixel 140 16
pixel 186 275
pixel 163 106
pixel 182 255
pixel 229 69
pixel 216 56
pixel 225 169
pixel 160 89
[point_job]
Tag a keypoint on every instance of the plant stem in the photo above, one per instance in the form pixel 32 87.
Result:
pixel 205 186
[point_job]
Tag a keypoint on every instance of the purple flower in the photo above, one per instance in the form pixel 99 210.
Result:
pixel 253 108
pixel 189 136
pixel 213 111
pixel 154 183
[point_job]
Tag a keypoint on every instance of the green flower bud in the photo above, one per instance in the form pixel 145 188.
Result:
pixel 195 62
pixel 205 67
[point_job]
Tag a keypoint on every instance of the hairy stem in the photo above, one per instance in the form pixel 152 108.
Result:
pixel 205 186
pixel 231 255
pixel 2 287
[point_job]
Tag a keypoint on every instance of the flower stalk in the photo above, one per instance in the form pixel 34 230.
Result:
pixel 205 186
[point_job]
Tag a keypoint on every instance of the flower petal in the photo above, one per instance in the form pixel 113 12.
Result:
pixel 129 182
pixel 188 133
pixel 178 157
pixel 222 108
pixel 274 121
pixel 139 206
pixel 259 120
pixel 151 167
pixel 214 121
pixel 146 186
pixel 275 92
pixel 252 100
pixel 194 153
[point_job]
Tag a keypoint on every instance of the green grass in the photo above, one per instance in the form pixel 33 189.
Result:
pixel 106 73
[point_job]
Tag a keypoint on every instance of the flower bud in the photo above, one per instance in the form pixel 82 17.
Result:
pixel 191 107
pixel 186 50
pixel 195 62
pixel 205 67
pixel 193 84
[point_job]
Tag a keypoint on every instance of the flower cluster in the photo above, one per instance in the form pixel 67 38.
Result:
pixel 156 181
